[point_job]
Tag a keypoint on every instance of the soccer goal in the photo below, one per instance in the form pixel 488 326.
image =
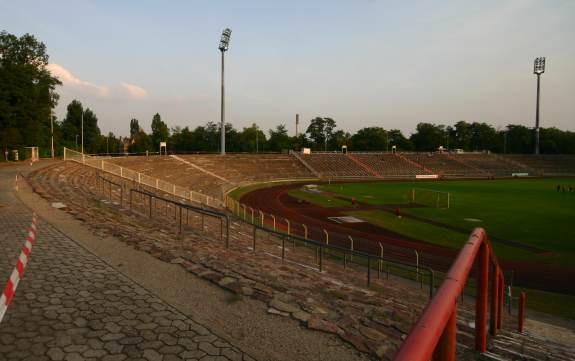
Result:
pixel 431 197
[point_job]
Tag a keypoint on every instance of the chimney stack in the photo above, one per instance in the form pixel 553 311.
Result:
pixel 296 125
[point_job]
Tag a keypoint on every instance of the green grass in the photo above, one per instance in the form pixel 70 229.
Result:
pixel 529 211
pixel 412 228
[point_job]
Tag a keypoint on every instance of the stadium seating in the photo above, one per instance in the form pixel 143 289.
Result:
pixel 547 164
pixel 335 165
pixel 239 168
pixel 444 165
pixel 389 165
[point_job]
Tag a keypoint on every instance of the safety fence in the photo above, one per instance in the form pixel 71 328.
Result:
pixel 140 178
pixel 18 272
pixel 389 255
pixel 434 335
pixel 234 231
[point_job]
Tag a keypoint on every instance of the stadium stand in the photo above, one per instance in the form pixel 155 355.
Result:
pixel 335 165
pixel 547 164
pixel 389 165
pixel 239 168
pixel 173 171
pixel 444 165
pixel 490 163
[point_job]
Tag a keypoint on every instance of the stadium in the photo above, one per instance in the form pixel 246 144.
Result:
pixel 394 223
pixel 431 221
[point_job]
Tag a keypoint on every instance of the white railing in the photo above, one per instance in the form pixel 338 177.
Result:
pixel 152 182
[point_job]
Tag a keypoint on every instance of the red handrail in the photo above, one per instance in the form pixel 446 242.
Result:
pixel 434 333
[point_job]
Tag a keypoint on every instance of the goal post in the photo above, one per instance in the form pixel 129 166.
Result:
pixel 431 197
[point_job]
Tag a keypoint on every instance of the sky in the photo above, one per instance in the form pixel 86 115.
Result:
pixel 391 64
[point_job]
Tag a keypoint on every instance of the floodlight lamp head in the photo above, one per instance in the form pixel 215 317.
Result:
pixel 539 66
pixel 225 39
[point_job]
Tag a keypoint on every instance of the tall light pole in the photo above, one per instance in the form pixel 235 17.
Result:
pixel 52 125
pixel 538 69
pixel 82 130
pixel 224 45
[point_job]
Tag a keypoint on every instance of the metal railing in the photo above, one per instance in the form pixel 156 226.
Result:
pixel 397 261
pixel 434 335
pixel 140 178
pixel 150 201
pixel 263 238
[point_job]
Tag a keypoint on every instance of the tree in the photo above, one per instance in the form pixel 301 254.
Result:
pixel 428 137
pixel 134 127
pixel 338 139
pixel 160 132
pixel 519 139
pixel 370 138
pixel 320 130
pixel 72 123
pixel 279 139
pixel 26 92
pixel 72 127
pixel 397 138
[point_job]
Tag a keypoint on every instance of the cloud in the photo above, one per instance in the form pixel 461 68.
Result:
pixel 134 91
pixel 68 78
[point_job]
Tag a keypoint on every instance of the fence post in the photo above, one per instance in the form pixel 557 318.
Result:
pixel 494 300
pixel 481 298
pixel 445 349
pixel 416 264
pixel 326 237
pixel 274 220
pixel 351 240
pixel 304 231
pixel 244 211
pixel 379 269
pixel 521 312
pixel 262 217
pixel 252 214
pixel 289 231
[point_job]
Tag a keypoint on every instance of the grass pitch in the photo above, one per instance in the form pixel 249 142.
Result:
pixel 514 212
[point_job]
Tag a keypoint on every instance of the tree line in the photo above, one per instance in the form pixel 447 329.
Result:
pixel 28 96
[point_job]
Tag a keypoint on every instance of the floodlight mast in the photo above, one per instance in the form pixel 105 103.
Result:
pixel 224 45
pixel 538 69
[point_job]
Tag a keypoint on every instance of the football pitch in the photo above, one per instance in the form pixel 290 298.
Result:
pixel 526 219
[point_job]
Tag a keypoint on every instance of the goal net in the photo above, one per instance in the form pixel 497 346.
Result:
pixel 430 197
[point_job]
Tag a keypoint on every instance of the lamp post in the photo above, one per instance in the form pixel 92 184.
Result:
pixel 224 45
pixel 538 69
pixel 82 131
pixel 52 125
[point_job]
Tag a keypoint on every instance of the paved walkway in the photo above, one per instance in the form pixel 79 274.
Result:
pixel 72 306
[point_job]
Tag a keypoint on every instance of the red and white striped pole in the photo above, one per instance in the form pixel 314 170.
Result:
pixel 18 272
